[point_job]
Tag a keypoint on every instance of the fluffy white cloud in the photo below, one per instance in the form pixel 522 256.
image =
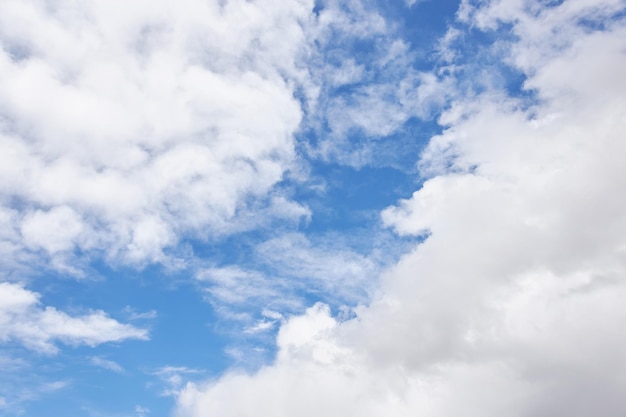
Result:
pixel 54 230
pixel 126 127
pixel 513 303
pixel 24 320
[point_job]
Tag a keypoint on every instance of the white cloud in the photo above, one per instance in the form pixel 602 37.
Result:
pixel 284 271
pixel 54 230
pixel 123 132
pixel 141 411
pixel 324 265
pixel 173 378
pixel 107 364
pixel 282 275
pixel 24 320
pixel 513 304
pixel 232 285
pixel 135 315
pixel 260 326
pixel 357 98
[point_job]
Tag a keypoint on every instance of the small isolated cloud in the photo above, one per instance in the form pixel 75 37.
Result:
pixel 141 411
pixel 24 320
pixel 135 315
pixel 270 314
pixel 174 378
pixel 260 326
pixel 106 364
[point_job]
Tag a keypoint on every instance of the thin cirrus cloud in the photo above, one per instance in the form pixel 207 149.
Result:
pixel 512 304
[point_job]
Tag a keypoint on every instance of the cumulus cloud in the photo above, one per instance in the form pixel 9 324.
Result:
pixel 513 302
pixel 125 128
pixel 25 321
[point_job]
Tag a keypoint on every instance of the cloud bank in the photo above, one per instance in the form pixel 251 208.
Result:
pixel 513 303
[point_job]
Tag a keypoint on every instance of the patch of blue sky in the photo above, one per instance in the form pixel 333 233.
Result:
pixel 182 334
pixel 353 197
pixel 169 306
pixel 89 390
pixel 421 25
pixel 602 22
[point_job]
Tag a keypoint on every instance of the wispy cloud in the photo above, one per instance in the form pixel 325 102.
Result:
pixel 283 273
pixel 174 378
pixel 107 364
pixel 20 389
pixel 135 315
pixel 141 411
pixel 367 86
pixel 23 320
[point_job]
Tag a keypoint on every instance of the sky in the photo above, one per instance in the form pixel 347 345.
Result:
pixel 249 208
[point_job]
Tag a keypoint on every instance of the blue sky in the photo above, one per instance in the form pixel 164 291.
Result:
pixel 312 208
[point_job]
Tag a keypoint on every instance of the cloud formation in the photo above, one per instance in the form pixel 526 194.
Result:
pixel 125 128
pixel 513 303
pixel 23 320
pixel 107 364
pixel 281 277
pixel 366 87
